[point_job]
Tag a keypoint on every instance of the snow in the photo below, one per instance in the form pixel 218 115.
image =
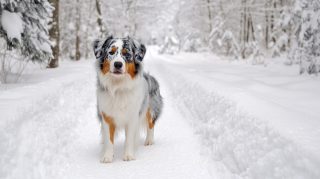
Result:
pixel 12 24
pixel 51 131
pixel 258 122
pixel 221 120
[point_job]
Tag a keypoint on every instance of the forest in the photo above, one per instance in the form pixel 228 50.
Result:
pixel 238 79
pixel 237 29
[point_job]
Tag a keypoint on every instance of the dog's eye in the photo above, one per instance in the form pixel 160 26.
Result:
pixel 113 51
pixel 126 54
pixel 124 51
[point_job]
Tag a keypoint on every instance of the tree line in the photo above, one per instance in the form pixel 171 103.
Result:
pixel 50 30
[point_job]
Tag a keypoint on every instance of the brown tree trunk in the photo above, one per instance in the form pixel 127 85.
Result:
pixel 55 35
pixel 245 30
pixel 209 16
pixel 78 54
pixel 267 28
pixel 273 20
pixel 99 19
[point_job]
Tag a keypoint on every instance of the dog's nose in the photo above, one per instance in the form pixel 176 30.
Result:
pixel 117 65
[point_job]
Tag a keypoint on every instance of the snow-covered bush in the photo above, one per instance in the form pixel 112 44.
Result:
pixel 192 43
pixel 254 54
pixel 24 35
pixel 171 43
pixel 24 26
pixel 216 34
pixel 229 44
pixel 307 49
pixel 281 44
pixel 12 63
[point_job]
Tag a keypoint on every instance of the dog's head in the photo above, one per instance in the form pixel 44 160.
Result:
pixel 119 57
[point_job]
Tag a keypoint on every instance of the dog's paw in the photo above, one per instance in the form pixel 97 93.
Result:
pixel 128 157
pixel 148 142
pixel 106 158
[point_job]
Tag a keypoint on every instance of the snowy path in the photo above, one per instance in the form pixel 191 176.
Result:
pixel 240 143
pixel 53 132
pixel 58 137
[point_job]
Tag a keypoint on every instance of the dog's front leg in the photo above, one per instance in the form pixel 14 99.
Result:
pixel 130 143
pixel 108 135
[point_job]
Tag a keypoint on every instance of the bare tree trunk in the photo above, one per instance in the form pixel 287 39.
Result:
pixel 245 30
pixel 209 16
pixel 241 25
pixel 99 19
pixel 273 6
pixel 55 35
pixel 267 25
pixel 273 20
pixel 78 54
pixel 87 49
pixel 251 27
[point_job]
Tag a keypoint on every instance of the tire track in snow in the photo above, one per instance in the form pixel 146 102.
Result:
pixel 240 146
pixel 58 137
pixel 39 142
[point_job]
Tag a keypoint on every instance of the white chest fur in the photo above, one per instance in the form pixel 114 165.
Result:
pixel 123 102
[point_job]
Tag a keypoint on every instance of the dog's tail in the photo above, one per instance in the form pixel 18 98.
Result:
pixel 156 100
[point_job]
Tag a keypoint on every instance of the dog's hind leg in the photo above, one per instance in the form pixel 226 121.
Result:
pixel 150 129
pixel 108 135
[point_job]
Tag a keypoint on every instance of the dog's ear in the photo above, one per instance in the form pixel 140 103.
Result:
pixel 142 52
pixel 139 50
pixel 100 50
pixel 97 48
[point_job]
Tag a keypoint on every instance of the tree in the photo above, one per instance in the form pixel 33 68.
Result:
pixel 24 26
pixel 102 28
pixel 78 17
pixel 306 17
pixel 55 35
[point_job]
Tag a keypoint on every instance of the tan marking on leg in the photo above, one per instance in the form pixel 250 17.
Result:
pixel 111 124
pixel 131 69
pixel 149 119
pixel 106 66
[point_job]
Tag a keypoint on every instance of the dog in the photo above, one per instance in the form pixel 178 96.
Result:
pixel 127 97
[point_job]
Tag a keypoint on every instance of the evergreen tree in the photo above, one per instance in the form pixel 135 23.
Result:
pixel 24 26
pixel 307 18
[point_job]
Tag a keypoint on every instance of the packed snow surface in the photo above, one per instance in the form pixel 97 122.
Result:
pixel 220 120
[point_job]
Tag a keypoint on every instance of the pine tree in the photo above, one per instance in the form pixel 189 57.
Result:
pixel 307 16
pixel 24 26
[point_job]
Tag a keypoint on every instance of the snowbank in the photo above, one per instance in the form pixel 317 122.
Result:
pixel 38 127
pixel 242 146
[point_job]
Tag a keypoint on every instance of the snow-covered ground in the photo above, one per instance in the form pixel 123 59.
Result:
pixel 220 120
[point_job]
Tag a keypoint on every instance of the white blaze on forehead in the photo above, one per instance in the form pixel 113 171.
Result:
pixel 118 58
pixel 119 44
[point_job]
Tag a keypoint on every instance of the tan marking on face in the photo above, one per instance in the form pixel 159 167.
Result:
pixel 105 66
pixel 114 49
pixel 124 51
pixel 149 119
pixel 131 69
pixel 112 126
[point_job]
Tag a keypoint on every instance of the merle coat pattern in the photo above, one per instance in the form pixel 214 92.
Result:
pixel 127 97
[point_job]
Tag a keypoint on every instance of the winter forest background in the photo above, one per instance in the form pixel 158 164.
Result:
pixel 253 30
pixel 239 80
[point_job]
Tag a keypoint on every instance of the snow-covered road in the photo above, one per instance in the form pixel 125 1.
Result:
pixel 58 136
pixel 53 132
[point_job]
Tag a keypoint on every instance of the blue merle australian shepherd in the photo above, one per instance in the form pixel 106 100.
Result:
pixel 127 97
